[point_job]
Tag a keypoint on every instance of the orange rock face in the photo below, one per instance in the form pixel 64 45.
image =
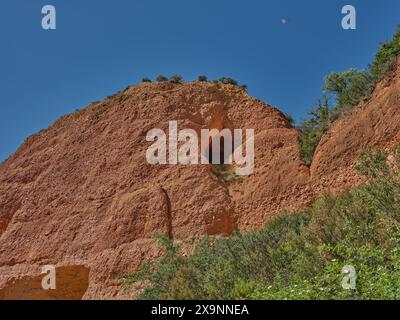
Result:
pixel 373 124
pixel 81 195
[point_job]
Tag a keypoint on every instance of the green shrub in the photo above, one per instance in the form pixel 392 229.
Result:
pixel 349 88
pixel 202 79
pixel 226 173
pixel 386 57
pixel 312 130
pixel 146 80
pixel 176 79
pixel 225 80
pixel 161 78
pixel 158 274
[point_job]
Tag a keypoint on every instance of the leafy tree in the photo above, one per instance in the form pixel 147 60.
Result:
pixel 176 79
pixel 386 57
pixel 225 80
pixel 161 78
pixel 202 78
pixel 313 129
pixel 349 88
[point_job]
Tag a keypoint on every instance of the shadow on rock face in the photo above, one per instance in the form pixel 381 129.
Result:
pixel 71 284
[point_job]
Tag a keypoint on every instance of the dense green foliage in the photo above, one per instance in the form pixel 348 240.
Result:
pixel 386 57
pixel 313 129
pixel 161 78
pixel 176 79
pixel 146 80
pixel 299 255
pixel 348 89
pixel 202 79
pixel 226 80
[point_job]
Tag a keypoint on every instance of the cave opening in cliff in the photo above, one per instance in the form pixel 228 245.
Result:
pixel 220 148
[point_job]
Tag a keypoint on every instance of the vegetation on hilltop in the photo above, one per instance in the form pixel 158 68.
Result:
pixel 346 89
pixel 161 78
pixel 303 255
pixel 202 79
pixel 178 79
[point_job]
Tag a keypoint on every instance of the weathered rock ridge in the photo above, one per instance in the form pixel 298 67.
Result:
pixel 80 195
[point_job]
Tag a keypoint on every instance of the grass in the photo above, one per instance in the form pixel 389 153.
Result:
pixel 226 173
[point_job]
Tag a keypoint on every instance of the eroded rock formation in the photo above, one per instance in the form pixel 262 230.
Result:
pixel 80 195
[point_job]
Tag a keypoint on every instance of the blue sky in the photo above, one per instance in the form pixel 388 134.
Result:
pixel 100 47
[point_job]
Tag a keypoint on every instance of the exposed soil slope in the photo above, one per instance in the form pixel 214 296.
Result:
pixel 375 124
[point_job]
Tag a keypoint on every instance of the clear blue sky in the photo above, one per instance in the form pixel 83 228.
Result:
pixel 100 47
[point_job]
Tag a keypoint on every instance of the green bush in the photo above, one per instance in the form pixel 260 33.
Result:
pixel 313 129
pixel 176 79
pixel 144 80
pixel 202 79
pixel 161 78
pixel 299 255
pixel 349 88
pixel 226 173
pixel 386 57
pixel 225 80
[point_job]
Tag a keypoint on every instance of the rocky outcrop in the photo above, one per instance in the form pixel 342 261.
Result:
pixel 82 193
pixel 373 124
